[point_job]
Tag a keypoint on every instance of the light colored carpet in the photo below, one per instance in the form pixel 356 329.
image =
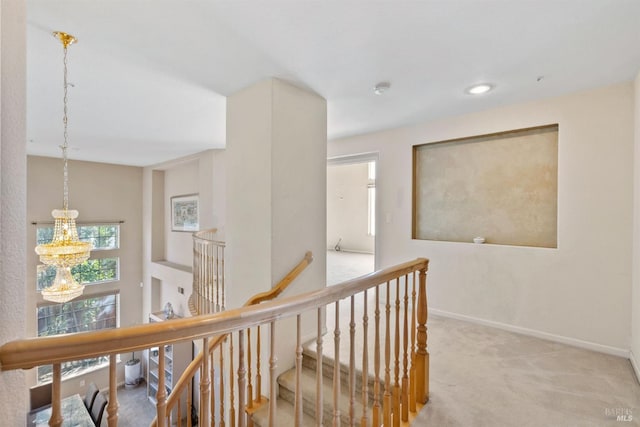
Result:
pixel 481 376
pixel 343 266
pixel 487 377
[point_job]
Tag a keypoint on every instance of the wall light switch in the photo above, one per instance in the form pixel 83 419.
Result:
pixel 180 290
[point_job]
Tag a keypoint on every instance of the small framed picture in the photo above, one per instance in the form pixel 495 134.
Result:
pixel 184 213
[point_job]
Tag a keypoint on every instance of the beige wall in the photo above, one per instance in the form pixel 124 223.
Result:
pixel 13 392
pixel 100 192
pixel 168 255
pixel 577 293
pixel 635 299
pixel 348 207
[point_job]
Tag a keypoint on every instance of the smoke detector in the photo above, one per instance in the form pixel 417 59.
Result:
pixel 381 88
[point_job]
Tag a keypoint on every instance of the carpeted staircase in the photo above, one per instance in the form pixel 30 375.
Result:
pixel 286 391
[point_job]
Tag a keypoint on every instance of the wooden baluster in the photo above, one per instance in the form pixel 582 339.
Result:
pixel 336 368
pixel 249 380
pixel 396 370
pixel 212 408
pixel 273 381
pixel 112 406
pixel 179 420
pixel 205 383
pixel 298 396
pixel 161 395
pixel 365 364
pixel 56 414
pixel 422 356
pixel 232 406
pixel 352 365
pixel 241 381
pixel 376 363
pixel 412 371
pixel 258 373
pixel 196 288
pixel 215 272
pixel 223 303
pixel 222 391
pixel 386 403
pixel 319 376
pixel 404 401
pixel 189 403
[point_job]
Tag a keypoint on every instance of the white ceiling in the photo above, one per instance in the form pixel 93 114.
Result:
pixel 150 77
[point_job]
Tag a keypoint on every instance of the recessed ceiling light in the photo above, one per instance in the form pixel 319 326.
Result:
pixel 479 89
pixel 381 87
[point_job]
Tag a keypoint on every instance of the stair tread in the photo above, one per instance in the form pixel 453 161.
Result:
pixel 284 415
pixel 308 384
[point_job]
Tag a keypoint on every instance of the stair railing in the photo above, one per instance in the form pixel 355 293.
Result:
pixel 208 273
pixel 182 391
pixel 402 286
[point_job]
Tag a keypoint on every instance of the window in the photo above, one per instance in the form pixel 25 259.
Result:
pixel 91 272
pixel 80 315
pixel 105 237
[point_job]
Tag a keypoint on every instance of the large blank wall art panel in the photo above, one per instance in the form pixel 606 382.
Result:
pixel 503 187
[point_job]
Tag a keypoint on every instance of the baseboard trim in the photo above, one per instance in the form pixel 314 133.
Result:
pixel 600 348
pixel 635 365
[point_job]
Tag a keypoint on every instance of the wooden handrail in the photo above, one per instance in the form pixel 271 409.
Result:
pixel 31 352
pixel 223 330
pixel 203 235
pixel 191 369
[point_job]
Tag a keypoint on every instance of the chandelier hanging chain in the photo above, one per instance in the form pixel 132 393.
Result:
pixel 65 145
pixel 65 250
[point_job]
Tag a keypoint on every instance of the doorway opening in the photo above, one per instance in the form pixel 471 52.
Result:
pixel 351 217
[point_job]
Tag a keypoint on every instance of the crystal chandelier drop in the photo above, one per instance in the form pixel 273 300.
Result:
pixel 65 249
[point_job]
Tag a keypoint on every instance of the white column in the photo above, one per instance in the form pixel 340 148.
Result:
pixel 13 389
pixel 276 190
pixel 276 186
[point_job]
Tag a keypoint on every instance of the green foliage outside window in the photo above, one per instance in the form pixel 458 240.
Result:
pixel 90 272
pixel 80 315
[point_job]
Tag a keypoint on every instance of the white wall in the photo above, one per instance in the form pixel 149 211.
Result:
pixel 579 291
pixel 635 299
pixel 13 390
pixel 100 192
pixel 276 182
pixel 348 207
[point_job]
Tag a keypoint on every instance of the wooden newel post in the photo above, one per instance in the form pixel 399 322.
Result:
pixel 422 355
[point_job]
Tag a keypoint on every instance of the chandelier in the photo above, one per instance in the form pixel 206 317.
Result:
pixel 65 249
